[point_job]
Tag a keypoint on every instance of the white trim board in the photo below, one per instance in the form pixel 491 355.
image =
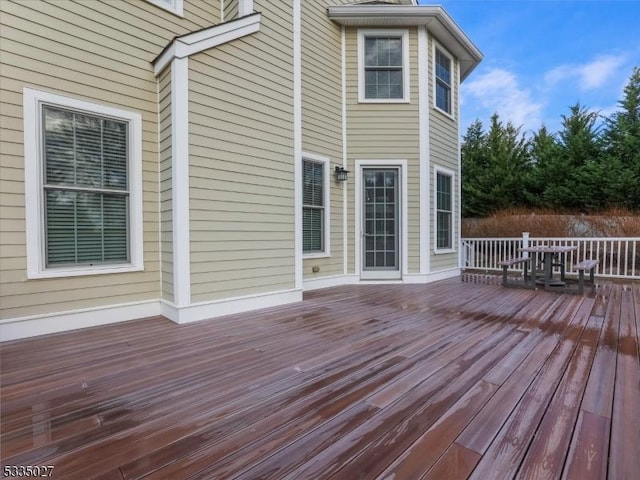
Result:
pixel 35 325
pixel 180 181
pixel 196 42
pixel 218 308
pixel 424 147
pixel 297 144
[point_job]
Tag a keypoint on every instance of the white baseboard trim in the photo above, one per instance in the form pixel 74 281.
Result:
pixel 408 278
pixel 431 277
pixel 333 281
pixel 217 308
pixel 35 325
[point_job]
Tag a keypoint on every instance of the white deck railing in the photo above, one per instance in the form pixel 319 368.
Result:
pixel 618 257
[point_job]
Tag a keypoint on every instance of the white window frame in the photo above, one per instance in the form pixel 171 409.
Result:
pixel 437 46
pixel 33 101
pixel 404 35
pixel 312 157
pixel 176 7
pixel 450 173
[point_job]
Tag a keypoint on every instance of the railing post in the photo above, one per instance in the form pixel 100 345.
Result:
pixel 525 243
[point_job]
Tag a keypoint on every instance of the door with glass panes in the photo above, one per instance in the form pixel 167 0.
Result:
pixel 380 223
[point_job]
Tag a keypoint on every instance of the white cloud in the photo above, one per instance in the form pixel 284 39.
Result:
pixel 498 90
pixel 589 76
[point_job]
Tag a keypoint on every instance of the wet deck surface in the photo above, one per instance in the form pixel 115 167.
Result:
pixel 441 381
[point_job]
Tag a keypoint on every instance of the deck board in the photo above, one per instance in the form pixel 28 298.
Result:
pixel 446 380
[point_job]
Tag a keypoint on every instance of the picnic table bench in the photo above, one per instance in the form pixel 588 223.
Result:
pixel 512 283
pixel 582 267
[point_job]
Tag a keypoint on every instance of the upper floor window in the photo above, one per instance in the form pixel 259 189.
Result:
pixel 83 176
pixel 174 6
pixel 443 78
pixel 444 210
pixel 315 205
pixel 383 65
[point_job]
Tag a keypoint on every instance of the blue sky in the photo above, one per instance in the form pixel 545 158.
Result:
pixel 540 57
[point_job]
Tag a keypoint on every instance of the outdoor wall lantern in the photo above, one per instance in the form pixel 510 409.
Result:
pixel 341 173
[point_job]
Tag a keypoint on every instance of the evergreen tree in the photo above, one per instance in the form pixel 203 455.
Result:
pixel 622 138
pixel 494 168
pixel 581 168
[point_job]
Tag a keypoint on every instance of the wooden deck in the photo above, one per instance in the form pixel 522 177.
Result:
pixel 442 381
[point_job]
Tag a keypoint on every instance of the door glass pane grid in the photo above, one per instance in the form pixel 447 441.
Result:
pixel 381 248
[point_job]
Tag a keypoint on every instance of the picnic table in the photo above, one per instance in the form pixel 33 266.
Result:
pixel 550 255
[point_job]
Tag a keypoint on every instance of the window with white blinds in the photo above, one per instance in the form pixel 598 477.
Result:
pixel 83 186
pixel 313 206
pixel 86 194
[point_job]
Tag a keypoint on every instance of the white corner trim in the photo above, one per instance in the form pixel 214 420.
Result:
pixel 424 146
pixel 180 181
pixel 218 308
pixel 432 276
pixel 297 144
pixel 458 198
pixel 34 325
pixel 187 45
pixel 332 281
pixel 245 7
pixel 345 189
pixel 34 211
pixel 406 67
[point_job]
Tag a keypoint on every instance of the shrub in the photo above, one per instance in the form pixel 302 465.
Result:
pixel 545 223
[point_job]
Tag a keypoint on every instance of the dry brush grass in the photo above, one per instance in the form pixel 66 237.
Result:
pixel 544 223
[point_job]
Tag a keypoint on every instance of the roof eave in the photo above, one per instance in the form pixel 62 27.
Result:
pixel 438 21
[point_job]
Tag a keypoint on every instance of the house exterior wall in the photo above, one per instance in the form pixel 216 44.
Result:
pixel 443 141
pixel 234 149
pixel 322 119
pixel 241 163
pixel 384 131
pixel 99 52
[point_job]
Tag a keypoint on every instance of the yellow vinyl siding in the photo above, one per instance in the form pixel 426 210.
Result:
pixel 100 52
pixel 241 162
pixel 443 141
pixel 322 119
pixel 385 131
pixel 230 9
